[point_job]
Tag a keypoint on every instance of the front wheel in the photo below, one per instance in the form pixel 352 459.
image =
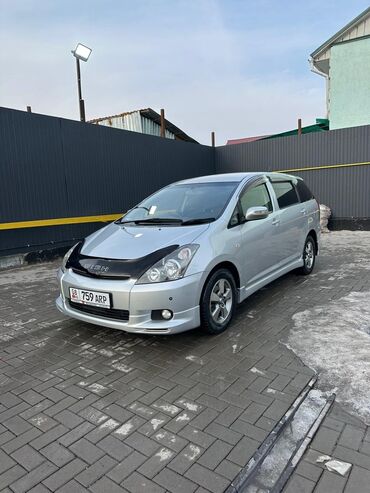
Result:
pixel 218 302
pixel 309 256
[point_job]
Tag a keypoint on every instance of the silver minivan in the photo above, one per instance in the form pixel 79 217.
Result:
pixel 188 254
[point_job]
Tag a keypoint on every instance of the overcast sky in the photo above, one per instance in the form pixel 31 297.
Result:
pixel 238 67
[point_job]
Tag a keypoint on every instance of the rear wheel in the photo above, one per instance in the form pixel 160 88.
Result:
pixel 218 302
pixel 309 256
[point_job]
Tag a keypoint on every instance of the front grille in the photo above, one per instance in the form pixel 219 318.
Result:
pixel 80 272
pixel 113 313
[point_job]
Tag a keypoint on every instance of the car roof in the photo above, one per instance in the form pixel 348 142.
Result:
pixel 222 177
pixel 235 177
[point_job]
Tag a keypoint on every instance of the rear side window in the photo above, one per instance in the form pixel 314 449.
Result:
pixel 304 192
pixel 285 193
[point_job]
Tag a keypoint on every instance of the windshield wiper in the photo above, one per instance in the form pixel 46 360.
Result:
pixel 170 220
pixel 201 220
pixel 154 220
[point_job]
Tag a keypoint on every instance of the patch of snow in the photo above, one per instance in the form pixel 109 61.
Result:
pixel 38 420
pixel 194 452
pixel 97 388
pixel 85 345
pixel 85 371
pixel 256 370
pixel 165 435
pixel 135 406
pixel 323 458
pixel 6 337
pixel 271 391
pixel 168 408
pixel 110 424
pixel 195 359
pixel 156 423
pixel 121 367
pixel 125 429
pixel 95 416
pixel 86 354
pixel 338 466
pixel 182 417
pixel 40 344
pixel 190 406
pixel 106 352
pixel 164 454
pixel 333 339
pixel 122 350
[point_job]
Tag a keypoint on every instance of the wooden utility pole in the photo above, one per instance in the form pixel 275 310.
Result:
pixel 299 126
pixel 163 124
pixel 213 139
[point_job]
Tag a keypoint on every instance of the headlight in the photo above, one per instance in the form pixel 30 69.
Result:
pixel 66 257
pixel 171 267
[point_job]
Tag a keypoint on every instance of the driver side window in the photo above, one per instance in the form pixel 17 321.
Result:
pixel 256 197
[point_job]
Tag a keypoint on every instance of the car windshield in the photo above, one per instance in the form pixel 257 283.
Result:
pixel 190 203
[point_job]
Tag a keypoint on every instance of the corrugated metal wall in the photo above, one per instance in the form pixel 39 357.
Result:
pixel 56 168
pixel 345 190
pixel 136 123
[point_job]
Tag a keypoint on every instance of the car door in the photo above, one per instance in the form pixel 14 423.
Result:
pixel 258 237
pixel 292 216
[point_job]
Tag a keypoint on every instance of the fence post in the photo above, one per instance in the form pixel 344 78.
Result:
pixel 163 124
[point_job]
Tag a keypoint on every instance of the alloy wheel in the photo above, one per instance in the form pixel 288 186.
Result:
pixel 309 255
pixel 221 301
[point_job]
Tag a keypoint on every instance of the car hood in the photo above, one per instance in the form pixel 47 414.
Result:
pixel 118 241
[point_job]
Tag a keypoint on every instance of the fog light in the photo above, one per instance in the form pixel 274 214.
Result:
pixel 167 314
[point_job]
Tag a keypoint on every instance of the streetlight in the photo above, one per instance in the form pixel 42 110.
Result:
pixel 81 52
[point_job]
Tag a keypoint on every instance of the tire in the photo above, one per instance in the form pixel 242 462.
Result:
pixel 309 256
pixel 218 302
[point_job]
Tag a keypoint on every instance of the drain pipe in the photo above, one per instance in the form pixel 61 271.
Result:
pixel 316 70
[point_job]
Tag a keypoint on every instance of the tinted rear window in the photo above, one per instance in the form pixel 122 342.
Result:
pixel 285 193
pixel 303 191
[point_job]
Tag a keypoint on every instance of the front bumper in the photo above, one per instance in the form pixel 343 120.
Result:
pixel 181 297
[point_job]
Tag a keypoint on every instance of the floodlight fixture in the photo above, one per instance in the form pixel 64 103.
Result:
pixel 82 52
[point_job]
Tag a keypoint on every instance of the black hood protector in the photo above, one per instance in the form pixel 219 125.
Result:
pixel 119 269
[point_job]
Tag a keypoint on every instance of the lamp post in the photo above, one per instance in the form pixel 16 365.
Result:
pixel 81 52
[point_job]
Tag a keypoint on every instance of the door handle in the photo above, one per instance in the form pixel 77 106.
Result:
pixel 303 211
pixel 275 222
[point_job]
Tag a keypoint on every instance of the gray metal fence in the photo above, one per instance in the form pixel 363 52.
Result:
pixel 346 190
pixel 56 168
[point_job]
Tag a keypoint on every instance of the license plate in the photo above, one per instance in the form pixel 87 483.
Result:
pixel 86 297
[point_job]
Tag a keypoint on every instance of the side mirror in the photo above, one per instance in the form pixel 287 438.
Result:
pixel 254 213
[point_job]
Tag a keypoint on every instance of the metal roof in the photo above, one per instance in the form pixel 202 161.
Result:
pixel 337 37
pixel 245 140
pixel 321 125
pixel 152 115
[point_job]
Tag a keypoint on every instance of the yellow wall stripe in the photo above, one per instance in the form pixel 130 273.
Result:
pixel 328 166
pixel 60 221
pixel 113 217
